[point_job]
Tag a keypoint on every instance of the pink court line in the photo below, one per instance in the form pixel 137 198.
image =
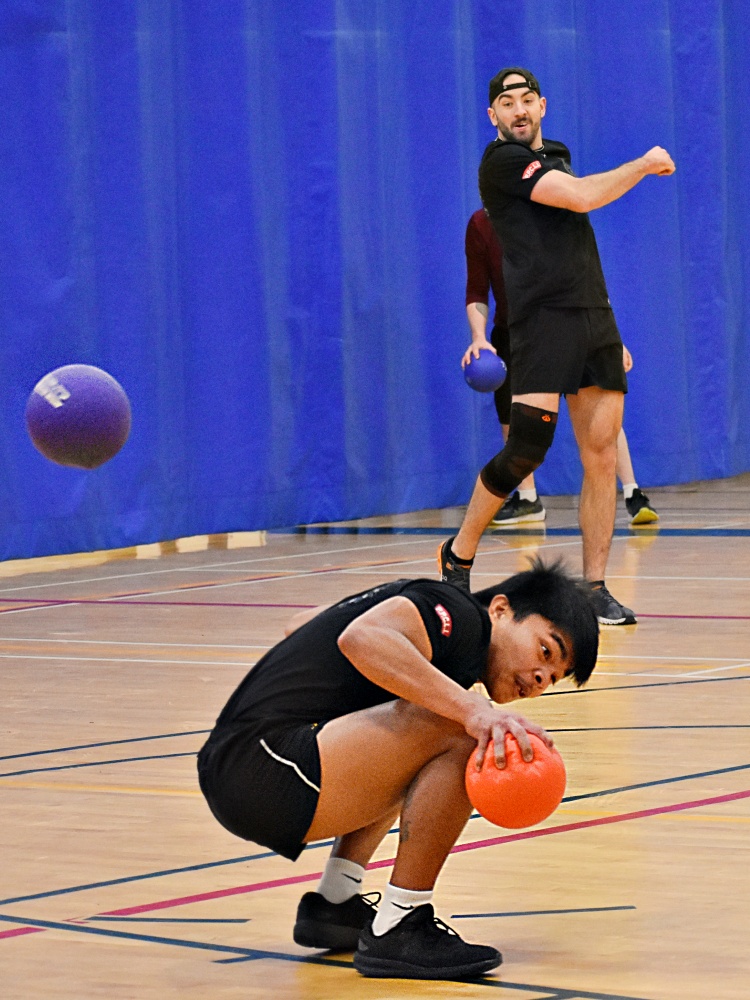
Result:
pixel 41 603
pixel 386 863
pixel 472 846
pixel 118 600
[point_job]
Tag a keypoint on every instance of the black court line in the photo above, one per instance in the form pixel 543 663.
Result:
pixel 94 763
pixel 106 743
pixel 205 732
pixel 204 866
pixel 571 531
pixel 253 954
pixel 657 781
pixel 649 684
pixel 540 913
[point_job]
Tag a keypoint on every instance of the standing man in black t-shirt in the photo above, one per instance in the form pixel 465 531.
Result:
pixel 564 339
pixel 364 714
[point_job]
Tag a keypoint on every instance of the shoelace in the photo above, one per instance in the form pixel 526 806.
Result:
pixel 371 898
pixel 443 927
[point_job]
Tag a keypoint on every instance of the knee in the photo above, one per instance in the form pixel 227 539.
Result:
pixel 443 734
pixel 599 456
pixel 530 436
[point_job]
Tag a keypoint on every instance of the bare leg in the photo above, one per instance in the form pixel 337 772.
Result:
pixel 596 415
pixel 360 845
pixel 625 471
pixel 483 504
pixel 392 755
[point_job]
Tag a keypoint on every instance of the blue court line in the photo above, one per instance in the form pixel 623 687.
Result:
pixel 327 843
pixel 253 954
pixel 94 763
pixel 505 532
pixel 107 743
pixel 540 913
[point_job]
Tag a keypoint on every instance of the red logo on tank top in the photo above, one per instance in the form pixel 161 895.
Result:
pixel 531 169
pixel 445 618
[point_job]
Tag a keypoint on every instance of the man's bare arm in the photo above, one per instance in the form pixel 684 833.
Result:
pixel 583 194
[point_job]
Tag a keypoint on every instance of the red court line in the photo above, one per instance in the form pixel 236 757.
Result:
pixel 472 846
pixel 710 618
pixel 386 863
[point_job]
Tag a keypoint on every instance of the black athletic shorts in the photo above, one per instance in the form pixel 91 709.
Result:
pixel 564 350
pixel 262 783
pixel 500 340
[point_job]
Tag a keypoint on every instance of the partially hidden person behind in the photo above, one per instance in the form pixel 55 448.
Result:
pixel 484 273
pixel 365 716
pixel 563 333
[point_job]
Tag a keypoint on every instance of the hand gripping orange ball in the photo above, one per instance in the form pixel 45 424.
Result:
pixel 521 793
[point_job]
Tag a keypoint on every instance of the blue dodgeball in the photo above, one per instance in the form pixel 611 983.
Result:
pixel 485 373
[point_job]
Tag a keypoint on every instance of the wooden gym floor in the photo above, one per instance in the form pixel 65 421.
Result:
pixel 118 884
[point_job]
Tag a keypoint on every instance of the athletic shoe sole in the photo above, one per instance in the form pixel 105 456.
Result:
pixel 385 968
pixel 645 516
pixel 540 516
pixel 617 621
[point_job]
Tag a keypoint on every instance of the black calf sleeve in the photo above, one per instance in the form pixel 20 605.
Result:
pixel 530 435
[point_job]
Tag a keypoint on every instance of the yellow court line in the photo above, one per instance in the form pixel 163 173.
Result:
pixel 187 793
pixel 106 789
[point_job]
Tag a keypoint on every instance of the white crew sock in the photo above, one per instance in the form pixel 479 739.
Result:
pixel 628 489
pixel 395 905
pixel 529 495
pixel 341 880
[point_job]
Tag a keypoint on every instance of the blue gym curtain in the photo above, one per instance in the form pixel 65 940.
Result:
pixel 252 214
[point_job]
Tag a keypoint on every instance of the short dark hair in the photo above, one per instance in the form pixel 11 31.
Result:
pixel 497 83
pixel 551 591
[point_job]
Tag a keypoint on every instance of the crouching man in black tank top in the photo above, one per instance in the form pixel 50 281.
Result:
pixel 363 717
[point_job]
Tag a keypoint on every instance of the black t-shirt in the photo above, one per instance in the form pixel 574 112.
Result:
pixel 550 255
pixel 306 677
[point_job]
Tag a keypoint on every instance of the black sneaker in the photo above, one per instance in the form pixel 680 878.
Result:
pixel 640 509
pixel 422 947
pixel 451 571
pixel 609 611
pixel 336 926
pixel 515 510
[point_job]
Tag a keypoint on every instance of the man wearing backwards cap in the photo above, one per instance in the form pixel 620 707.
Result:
pixel 564 339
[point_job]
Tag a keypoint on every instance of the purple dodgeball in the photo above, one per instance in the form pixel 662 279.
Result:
pixel 485 373
pixel 78 415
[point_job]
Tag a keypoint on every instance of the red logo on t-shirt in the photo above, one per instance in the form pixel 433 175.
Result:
pixel 445 618
pixel 531 169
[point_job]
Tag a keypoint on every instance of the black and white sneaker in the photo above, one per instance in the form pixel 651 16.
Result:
pixel 452 571
pixel 422 947
pixel 335 926
pixel 515 510
pixel 640 509
pixel 609 611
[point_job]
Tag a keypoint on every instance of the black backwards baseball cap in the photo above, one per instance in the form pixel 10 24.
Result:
pixel 497 86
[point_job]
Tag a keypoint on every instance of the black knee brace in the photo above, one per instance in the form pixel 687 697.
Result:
pixel 530 435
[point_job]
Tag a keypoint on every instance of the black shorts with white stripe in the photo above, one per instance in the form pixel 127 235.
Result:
pixel 262 783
